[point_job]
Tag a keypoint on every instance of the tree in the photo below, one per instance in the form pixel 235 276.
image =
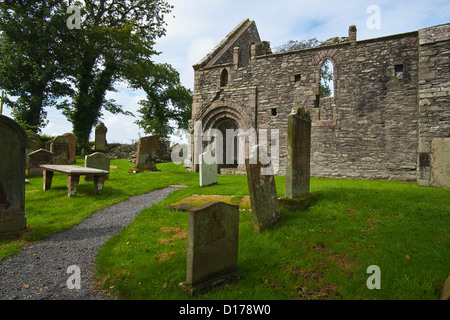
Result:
pixel 167 100
pixel 326 69
pixel 30 58
pixel 115 36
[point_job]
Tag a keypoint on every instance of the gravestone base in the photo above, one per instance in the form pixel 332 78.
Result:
pixel 193 290
pixel 12 226
pixel 297 204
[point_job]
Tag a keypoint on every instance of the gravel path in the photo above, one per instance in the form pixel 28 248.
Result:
pixel 40 271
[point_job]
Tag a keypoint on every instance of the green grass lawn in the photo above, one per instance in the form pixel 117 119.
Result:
pixel 321 253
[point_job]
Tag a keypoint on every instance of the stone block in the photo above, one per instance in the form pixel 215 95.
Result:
pixel 13 142
pixel 262 189
pixel 207 169
pixel 440 162
pixel 35 159
pixel 212 252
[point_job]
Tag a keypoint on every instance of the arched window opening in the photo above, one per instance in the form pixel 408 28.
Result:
pixel 327 79
pixel 224 78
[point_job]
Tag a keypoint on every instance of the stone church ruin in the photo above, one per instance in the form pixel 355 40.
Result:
pixel 391 100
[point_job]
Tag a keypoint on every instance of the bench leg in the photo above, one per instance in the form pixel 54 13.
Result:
pixel 72 185
pixel 47 177
pixel 98 184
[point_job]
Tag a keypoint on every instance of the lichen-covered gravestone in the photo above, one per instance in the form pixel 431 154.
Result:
pixel 13 143
pixel 147 152
pixel 262 188
pixel 60 149
pixel 100 137
pixel 97 160
pixel 299 153
pixel 72 146
pixel 297 196
pixel 212 252
pixel 35 159
pixel 207 169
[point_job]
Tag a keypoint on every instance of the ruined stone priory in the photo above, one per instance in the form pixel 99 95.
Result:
pixel 390 101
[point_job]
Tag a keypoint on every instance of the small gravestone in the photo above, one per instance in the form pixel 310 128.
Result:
pixel 207 169
pixel 97 160
pixel 100 137
pixel 35 159
pixel 440 162
pixel 147 152
pixel 297 196
pixel 13 143
pixel 72 146
pixel 262 188
pixel 60 149
pixel 212 252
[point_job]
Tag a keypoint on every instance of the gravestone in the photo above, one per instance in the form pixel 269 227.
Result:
pixel 97 160
pixel 212 252
pixel 207 169
pixel 72 146
pixel 299 153
pixel 13 143
pixel 262 188
pixel 35 159
pixel 60 149
pixel 440 162
pixel 100 137
pixel 147 152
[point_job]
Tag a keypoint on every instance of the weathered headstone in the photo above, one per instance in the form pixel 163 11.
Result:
pixel 212 252
pixel 13 143
pixel 72 146
pixel 440 162
pixel 97 160
pixel 147 152
pixel 35 159
pixel 208 169
pixel 100 137
pixel 299 153
pixel 262 188
pixel 60 149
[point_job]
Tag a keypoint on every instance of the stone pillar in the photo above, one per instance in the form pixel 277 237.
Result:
pixel 212 246
pixel 298 153
pixel 13 142
pixel 236 58
pixel 262 188
pixel 352 33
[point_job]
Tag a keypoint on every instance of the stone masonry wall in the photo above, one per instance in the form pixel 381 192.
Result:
pixel 370 128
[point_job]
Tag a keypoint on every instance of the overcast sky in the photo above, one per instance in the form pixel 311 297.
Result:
pixel 195 27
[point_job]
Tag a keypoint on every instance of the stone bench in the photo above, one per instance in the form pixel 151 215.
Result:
pixel 73 177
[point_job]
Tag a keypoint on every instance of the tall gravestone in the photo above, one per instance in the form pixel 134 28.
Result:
pixel 147 152
pixel 262 188
pixel 207 169
pixel 13 144
pixel 212 252
pixel 35 159
pixel 60 148
pixel 72 146
pixel 297 196
pixel 100 137
pixel 299 153
pixel 97 160
pixel 440 162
